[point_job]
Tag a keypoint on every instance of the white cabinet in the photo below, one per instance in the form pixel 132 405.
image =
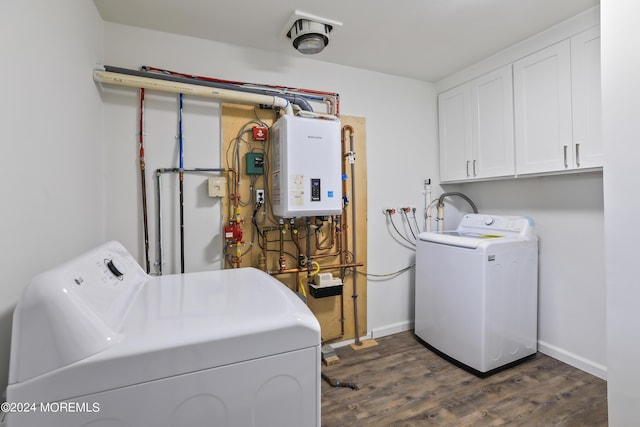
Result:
pixel 492 124
pixel 476 128
pixel 454 119
pixel 539 115
pixel 542 103
pixel 557 107
pixel 585 84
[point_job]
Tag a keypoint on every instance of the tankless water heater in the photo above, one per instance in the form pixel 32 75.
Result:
pixel 307 171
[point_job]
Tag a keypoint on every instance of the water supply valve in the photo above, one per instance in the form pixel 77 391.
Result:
pixel 351 157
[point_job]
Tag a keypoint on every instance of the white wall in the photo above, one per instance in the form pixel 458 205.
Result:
pixel 399 154
pixel 621 127
pixel 51 121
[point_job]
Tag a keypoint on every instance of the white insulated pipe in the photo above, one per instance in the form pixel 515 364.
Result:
pixel 138 82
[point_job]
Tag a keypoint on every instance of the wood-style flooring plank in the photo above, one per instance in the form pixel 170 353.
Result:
pixel 404 384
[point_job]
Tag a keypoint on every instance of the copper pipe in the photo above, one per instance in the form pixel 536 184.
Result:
pixel 234 192
pixel 322 248
pixel 264 246
pixel 339 239
pixel 322 268
pixel 295 238
pixel 351 156
pixel 322 256
pixel 344 224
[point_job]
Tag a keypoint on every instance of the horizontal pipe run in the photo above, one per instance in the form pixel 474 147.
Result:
pixel 209 82
pixel 176 170
pixel 126 80
pixel 235 82
pixel 322 268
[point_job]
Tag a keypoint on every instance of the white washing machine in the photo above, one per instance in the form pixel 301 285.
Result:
pixel 97 342
pixel 476 293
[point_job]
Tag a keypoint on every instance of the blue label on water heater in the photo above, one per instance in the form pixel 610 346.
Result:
pixel 330 194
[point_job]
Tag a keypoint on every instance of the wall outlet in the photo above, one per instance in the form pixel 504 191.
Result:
pixel 260 195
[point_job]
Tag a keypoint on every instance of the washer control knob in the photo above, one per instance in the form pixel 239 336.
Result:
pixel 489 221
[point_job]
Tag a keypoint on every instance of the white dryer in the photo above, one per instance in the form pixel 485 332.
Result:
pixel 97 342
pixel 476 292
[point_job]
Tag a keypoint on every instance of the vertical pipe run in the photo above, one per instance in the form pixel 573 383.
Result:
pixel 354 234
pixel 181 177
pixel 158 194
pixel 350 155
pixel 281 260
pixel 308 254
pixel 143 184
pixel 427 205
pixel 159 173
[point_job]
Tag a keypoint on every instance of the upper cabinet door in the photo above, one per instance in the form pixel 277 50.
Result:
pixel 476 128
pixel 542 104
pixel 492 104
pixel 454 120
pixel 585 77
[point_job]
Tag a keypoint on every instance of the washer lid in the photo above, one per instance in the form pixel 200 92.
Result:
pixel 181 324
pixel 469 240
pixel 482 230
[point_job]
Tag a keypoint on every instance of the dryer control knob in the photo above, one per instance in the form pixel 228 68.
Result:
pixel 489 221
pixel 115 268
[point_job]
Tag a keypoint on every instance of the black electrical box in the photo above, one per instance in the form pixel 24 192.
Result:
pixel 325 291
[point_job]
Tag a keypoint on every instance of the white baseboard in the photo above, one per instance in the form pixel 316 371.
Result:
pixel 574 360
pixel 562 355
pixel 345 343
pixel 378 333
pixel 394 328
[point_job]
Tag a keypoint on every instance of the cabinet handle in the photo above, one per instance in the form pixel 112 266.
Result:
pixel 566 165
pixel 578 154
pixel 467 167
pixel 474 168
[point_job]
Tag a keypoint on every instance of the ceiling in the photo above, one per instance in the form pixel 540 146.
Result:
pixel 421 39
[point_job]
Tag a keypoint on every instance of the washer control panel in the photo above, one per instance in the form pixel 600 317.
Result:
pixel 496 225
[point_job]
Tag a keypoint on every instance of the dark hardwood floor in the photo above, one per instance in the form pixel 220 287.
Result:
pixel 402 383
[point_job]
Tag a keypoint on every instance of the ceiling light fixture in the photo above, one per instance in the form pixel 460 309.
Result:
pixel 309 33
pixel 309 37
